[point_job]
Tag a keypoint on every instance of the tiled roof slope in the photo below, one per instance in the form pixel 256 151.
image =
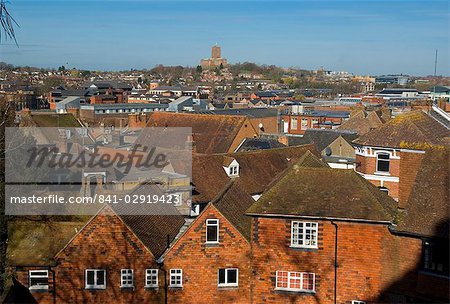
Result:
pixel 412 130
pixel 325 192
pixel 427 211
pixel 362 122
pixel 257 170
pixel 321 138
pixel 46 120
pixel 156 227
pixel 36 242
pixel 252 144
pixel 311 161
pixel 211 133
pixel 232 203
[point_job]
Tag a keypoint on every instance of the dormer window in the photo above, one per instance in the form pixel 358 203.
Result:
pixel 234 170
pixel 231 167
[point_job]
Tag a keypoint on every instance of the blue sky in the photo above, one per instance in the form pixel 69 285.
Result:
pixel 364 37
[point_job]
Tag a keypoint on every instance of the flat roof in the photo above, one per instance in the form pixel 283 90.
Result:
pixel 124 106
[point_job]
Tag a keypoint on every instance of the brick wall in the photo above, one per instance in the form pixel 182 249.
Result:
pixel 368 165
pixel 105 243
pixel 410 165
pixel 200 263
pixel 22 275
pixel 365 265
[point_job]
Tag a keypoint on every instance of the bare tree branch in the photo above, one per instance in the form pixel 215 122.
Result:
pixel 7 23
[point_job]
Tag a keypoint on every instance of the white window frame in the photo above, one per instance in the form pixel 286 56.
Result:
pixel 384 160
pixel 234 170
pixel 151 275
pixel 294 126
pixel 358 302
pixel 32 275
pixel 304 124
pixel 217 224
pixel 226 284
pixel 95 285
pixel 174 274
pixel 291 275
pixel 126 275
pixel 296 236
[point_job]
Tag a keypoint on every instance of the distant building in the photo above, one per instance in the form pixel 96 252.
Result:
pixel 69 102
pixel 297 123
pixel 174 91
pixel 438 92
pixel 392 79
pixel 188 104
pixel 215 61
pixel 94 112
pixel 400 94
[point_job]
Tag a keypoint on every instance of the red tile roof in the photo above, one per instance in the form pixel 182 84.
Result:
pixel 211 133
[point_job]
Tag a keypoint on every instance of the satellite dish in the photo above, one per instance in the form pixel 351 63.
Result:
pixel 328 151
pixel 260 125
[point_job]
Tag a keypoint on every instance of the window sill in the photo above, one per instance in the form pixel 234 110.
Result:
pixel 126 287
pixel 304 248
pixel 95 288
pixel 151 287
pixel 38 290
pixel 212 244
pixel 290 291
pixel 434 274
pixel 382 173
pixel 229 287
pixel 175 287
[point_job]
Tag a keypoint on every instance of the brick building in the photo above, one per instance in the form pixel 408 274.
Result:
pixel 113 256
pixel 272 226
pixel 423 229
pixel 216 59
pixel 213 254
pixel 211 133
pixel 317 119
pixel 318 236
pixel 389 156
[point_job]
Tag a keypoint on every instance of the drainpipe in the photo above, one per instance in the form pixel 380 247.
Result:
pixel 54 285
pixel 161 267
pixel 335 259
pixel 160 263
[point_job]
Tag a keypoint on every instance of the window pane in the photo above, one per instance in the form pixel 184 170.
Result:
pixel 100 277
pixel 221 276
pixel 308 281
pixel 282 279
pixel 383 166
pixel 90 277
pixel 211 233
pixel 383 162
pixel 38 281
pixel 383 156
pixel 232 276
